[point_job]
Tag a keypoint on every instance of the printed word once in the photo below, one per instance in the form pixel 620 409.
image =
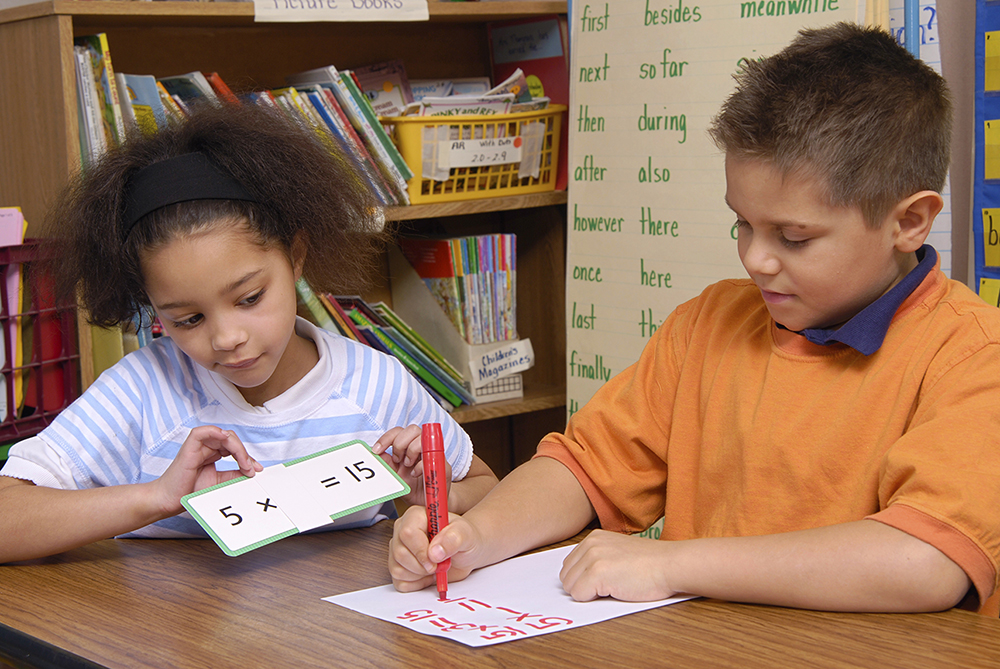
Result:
pixel 594 24
pixel 595 223
pixel 670 14
pixel 668 68
pixel 590 274
pixel 599 73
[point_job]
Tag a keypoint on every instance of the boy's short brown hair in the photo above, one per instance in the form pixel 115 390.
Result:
pixel 848 105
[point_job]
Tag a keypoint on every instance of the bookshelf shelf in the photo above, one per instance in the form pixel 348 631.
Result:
pixel 41 146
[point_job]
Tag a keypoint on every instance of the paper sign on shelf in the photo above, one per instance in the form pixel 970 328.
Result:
pixel 292 11
pixel 293 497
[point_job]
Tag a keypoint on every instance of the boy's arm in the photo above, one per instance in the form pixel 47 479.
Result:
pixel 539 503
pixel 863 565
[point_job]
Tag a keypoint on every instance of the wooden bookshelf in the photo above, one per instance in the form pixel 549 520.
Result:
pixel 40 146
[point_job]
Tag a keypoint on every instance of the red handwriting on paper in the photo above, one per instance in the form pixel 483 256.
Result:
pixel 519 621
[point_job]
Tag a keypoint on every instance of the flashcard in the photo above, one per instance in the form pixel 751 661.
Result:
pixel 293 497
pixel 514 599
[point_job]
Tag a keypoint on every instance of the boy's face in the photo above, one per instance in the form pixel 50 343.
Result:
pixel 230 304
pixel 816 265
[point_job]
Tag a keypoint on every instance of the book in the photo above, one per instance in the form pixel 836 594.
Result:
pixel 93 141
pixel 318 311
pixel 437 88
pixel 465 105
pixel 439 386
pixel 189 88
pixel 470 86
pixel 434 262
pixel 173 109
pixel 539 46
pixel 108 101
pixel 222 90
pixel 347 78
pixel 343 321
pixel 329 77
pixel 144 96
pixel 386 85
pixel 391 317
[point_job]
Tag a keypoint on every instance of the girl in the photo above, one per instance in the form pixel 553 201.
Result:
pixel 210 222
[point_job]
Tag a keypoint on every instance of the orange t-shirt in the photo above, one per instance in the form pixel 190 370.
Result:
pixel 730 426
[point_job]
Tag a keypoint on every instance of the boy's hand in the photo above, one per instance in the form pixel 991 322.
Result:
pixel 405 460
pixel 413 559
pixel 608 564
pixel 194 466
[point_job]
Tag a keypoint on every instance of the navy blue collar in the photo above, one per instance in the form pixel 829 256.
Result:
pixel 866 331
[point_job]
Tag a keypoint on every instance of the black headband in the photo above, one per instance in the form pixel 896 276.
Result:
pixel 191 176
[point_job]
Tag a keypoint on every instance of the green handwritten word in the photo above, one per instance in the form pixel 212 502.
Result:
pixel 594 24
pixel 595 223
pixel 656 227
pixel 734 231
pixel 581 321
pixel 671 14
pixel 595 371
pixel 587 123
pixel 651 278
pixel 591 274
pixel 676 123
pixel 750 10
pixel 599 73
pixel 668 68
pixel 589 172
pixel 647 326
pixel 573 406
pixel 650 174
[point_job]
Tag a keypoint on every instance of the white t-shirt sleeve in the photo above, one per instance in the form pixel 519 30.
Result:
pixel 34 460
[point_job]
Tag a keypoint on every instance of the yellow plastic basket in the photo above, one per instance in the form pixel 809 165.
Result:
pixel 485 180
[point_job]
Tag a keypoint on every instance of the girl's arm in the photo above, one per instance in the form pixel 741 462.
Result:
pixel 51 520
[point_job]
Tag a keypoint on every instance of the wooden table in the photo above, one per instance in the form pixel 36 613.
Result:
pixel 160 603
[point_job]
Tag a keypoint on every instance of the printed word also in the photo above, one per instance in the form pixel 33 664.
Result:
pixel 653 175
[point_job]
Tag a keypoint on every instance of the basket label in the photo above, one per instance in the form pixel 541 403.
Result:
pixel 478 152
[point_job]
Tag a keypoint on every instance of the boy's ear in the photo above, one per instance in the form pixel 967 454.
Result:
pixel 913 216
pixel 298 253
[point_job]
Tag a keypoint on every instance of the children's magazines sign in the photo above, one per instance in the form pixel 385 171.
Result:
pixel 511 600
pixel 290 11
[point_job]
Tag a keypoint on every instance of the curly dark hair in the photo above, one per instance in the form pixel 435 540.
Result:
pixel 303 186
pixel 849 105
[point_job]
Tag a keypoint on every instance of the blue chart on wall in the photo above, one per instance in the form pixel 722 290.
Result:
pixel 986 193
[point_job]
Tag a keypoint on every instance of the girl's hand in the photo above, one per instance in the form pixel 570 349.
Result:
pixel 405 460
pixel 194 466
pixel 413 558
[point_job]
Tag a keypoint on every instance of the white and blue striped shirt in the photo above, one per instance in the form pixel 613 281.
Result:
pixel 129 425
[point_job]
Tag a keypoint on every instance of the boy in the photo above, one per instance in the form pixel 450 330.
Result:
pixel 824 435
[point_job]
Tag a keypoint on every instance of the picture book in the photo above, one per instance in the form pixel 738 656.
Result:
pixel 93 137
pixel 189 88
pixel 108 102
pixel 433 261
pixel 144 97
pixel 387 87
pixel 436 88
pixel 470 86
pixel 222 90
pixel 466 105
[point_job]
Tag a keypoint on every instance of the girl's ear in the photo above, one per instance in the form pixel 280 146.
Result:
pixel 298 253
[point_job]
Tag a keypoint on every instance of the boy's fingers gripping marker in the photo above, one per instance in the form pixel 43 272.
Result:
pixel 436 491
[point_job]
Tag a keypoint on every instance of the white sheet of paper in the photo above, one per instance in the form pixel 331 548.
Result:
pixel 514 599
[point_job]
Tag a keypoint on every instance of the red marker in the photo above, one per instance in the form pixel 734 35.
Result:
pixel 436 490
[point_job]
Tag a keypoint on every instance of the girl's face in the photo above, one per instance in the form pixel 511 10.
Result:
pixel 229 303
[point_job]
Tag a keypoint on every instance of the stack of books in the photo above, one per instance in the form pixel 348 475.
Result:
pixel 378 326
pixel 474 279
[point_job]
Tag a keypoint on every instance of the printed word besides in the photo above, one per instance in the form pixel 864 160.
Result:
pixel 656 227
pixel 597 73
pixel 662 16
pixel 668 68
pixel 651 278
pixel 596 223
pixel 594 23
pixel 597 371
pixel 582 321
